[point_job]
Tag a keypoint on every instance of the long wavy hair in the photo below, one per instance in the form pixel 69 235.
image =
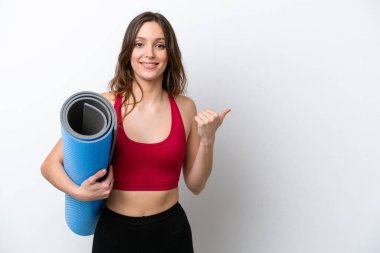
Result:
pixel 174 77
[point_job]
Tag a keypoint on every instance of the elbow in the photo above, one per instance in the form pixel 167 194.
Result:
pixel 43 169
pixel 195 186
pixel 196 192
pixel 197 189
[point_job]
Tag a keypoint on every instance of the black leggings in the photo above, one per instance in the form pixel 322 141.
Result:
pixel 168 231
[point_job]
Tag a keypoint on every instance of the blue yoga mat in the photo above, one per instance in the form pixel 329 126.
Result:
pixel 88 128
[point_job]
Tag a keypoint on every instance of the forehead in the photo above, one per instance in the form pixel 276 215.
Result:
pixel 150 30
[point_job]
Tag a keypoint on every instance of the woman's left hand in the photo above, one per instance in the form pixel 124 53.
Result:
pixel 208 122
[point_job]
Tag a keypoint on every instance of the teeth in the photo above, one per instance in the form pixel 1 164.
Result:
pixel 149 65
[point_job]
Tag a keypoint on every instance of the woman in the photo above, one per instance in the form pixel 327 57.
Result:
pixel 162 133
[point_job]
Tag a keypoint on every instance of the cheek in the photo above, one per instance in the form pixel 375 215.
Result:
pixel 135 55
pixel 164 58
pixel 165 64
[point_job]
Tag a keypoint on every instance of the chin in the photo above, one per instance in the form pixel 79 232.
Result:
pixel 151 77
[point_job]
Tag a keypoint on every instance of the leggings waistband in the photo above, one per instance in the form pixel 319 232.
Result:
pixel 143 219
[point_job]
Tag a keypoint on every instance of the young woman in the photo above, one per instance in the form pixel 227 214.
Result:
pixel 159 132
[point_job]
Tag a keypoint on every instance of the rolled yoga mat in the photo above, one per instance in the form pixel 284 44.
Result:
pixel 88 127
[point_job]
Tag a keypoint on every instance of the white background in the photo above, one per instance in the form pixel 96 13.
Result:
pixel 296 161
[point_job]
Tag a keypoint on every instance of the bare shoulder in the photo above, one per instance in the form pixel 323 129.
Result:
pixel 186 104
pixel 188 110
pixel 109 96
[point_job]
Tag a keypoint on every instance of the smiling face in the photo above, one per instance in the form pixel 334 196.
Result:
pixel 149 56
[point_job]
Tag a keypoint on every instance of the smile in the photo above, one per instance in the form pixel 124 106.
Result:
pixel 149 65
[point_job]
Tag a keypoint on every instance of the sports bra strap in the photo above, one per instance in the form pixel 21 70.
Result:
pixel 116 106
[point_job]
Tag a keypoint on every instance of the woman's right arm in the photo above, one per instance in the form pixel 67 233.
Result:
pixel 52 169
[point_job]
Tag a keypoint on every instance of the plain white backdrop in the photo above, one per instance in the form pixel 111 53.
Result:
pixel 296 161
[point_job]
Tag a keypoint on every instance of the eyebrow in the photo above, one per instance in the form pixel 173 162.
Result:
pixel 142 38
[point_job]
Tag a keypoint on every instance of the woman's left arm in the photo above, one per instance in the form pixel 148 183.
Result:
pixel 200 144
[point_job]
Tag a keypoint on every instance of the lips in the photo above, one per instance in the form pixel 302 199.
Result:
pixel 149 65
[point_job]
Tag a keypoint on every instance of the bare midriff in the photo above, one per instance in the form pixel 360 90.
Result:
pixel 141 203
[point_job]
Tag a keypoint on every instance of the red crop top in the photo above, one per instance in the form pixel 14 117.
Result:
pixel 149 166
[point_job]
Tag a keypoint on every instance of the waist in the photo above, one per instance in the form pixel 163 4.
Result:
pixel 140 220
pixel 141 203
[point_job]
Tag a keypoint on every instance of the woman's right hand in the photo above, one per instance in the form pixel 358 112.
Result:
pixel 91 189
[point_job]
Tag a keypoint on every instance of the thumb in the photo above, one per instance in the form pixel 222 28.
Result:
pixel 223 114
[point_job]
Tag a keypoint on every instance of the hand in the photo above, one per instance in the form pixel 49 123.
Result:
pixel 91 190
pixel 208 122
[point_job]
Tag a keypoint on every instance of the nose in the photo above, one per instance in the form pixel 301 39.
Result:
pixel 149 53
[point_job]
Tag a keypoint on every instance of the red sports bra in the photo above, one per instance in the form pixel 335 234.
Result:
pixel 149 166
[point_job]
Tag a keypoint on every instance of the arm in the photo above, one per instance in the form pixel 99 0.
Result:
pixel 197 176
pixel 52 169
pixel 200 144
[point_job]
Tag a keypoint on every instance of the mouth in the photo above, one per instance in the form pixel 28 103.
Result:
pixel 149 65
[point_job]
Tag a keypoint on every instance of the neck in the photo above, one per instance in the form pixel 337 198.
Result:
pixel 153 92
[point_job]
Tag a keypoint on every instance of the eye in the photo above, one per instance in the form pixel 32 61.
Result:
pixel 138 44
pixel 161 46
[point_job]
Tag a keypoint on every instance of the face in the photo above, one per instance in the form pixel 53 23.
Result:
pixel 149 57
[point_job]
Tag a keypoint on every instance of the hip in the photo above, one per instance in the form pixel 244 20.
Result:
pixel 167 231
